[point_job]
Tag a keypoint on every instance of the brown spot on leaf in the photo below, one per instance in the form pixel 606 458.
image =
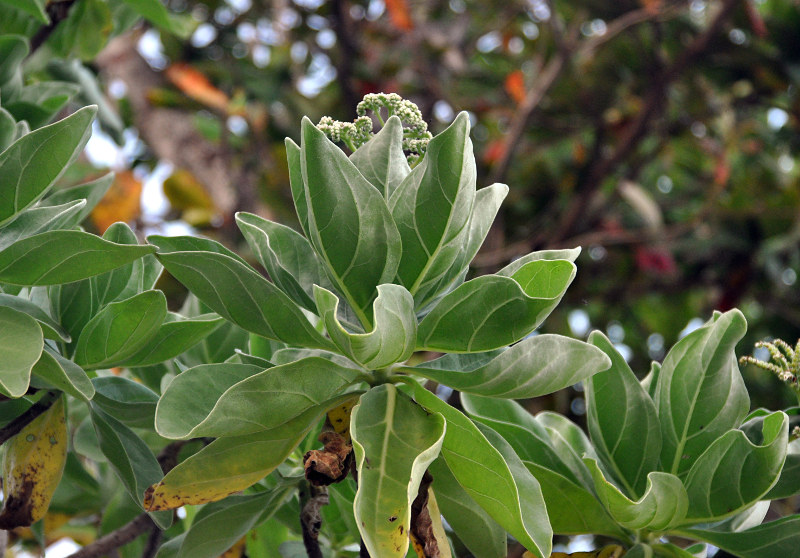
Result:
pixel 421 522
pixel 18 507
pixel 394 518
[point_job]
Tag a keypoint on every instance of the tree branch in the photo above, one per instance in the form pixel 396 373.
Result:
pixel 57 12
pixel 115 539
pixel 15 426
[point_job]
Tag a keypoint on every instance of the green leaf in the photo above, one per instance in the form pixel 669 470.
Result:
pixel 231 464
pixel 40 102
pixel 622 421
pixel 13 50
pixel 50 328
pixel 394 441
pixel 21 345
pixel 570 443
pixel 39 219
pixel 239 294
pixel 31 7
pixel 533 367
pixel 287 256
pixel 669 550
pixel 294 160
pixel 493 311
pixel 700 393
pixel 131 459
pixel 84 32
pixel 127 401
pixel 219 525
pixel 472 525
pixel 120 329
pixel 8 126
pixel 487 203
pixel 56 257
pixel 30 166
pixel 381 160
pixel 173 338
pixel 155 12
pixel 349 223
pixel 789 481
pixel 110 285
pixel 491 478
pixel 776 538
pixel 571 509
pixel 64 374
pixel 663 505
pixel 569 254
pixel 734 472
pixel 393 336
pixel 92 192
pixel 197 403
pixel 432 208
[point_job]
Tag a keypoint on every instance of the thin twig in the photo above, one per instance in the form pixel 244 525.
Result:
pixel 57 12
pixel 312 499
pixel 153 542
pixel 15 426
pixel 115 539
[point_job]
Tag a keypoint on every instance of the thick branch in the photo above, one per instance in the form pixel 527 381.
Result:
pixel 115 539
pixel 15 426
pixel 57 12
pixel 312 498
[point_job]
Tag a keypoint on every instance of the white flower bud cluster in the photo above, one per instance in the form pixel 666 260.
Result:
pixel 353 134
pixel 785 361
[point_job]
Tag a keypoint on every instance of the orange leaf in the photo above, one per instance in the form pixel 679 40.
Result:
pixel 652 6
pixel 121 202
pixel 196 85
pixel 515 86
pixel 399 14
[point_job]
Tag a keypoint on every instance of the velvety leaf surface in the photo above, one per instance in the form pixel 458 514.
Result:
pixel 217 526
pixel 700 393
pixel 64 374
pixel 394 333
pixel 38 219
pixel 50 328
pixel 92 192
pixel 173 338
pixel 287 256
pixel 294 160
pixel 349 223
pixel 32 164
pixel 394 441
pixel 472 525
pixel 131 459
pixel 432 208
pixel 55 257
pixel 533 367
pixel 231 464
pixel 734 472
pixel 513 501
pixel 622 421
pixel 381 160
pixel 198 404
pixel 120 329
pixel 663 505
pixel 493 311
pixel 21 345
pixel 769 540
pixel 236 292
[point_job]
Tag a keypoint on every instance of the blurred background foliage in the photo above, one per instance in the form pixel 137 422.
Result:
pixel 660 135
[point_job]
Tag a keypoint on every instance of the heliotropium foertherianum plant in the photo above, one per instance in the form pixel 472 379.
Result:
pixel 376 276
pixel 672 458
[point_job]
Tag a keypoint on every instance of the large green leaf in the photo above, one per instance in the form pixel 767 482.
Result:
pixel 294 160
pixel 570 443
pixel 126 400
pixel 533 367
pixel 236 292
pixel 663 505
pixel 50 328
pixel 769 540
pixel 789 482
pixel 228 465
pixel 31 7
pixel 55 257
pixel 493 311
pixel 622 421
pixel 131 459
pixel 30 166
pixel 735 472
pixel 219 525
pixel 120 329
pixel 381 160
pixel 700 393
pixel 64 374
pixel 287 256
pixel 394 441
pixel 432 208
pixel 569 254
pixel 394 333
pixel 110 285
pixel 197 403
pixel 173 338
pixel 498 482
pixel 349 223
pixel 484 210
pixel 38 219
pixel 21 344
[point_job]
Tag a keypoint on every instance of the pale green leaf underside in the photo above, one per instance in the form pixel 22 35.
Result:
pixel 381 160
pixel 769 540
pixel 394 441
pixel 21 344
pixel 64 374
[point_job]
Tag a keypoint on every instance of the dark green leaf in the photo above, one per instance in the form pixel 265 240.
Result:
pixel 776 538
pixel 127 401
pixel 31 7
